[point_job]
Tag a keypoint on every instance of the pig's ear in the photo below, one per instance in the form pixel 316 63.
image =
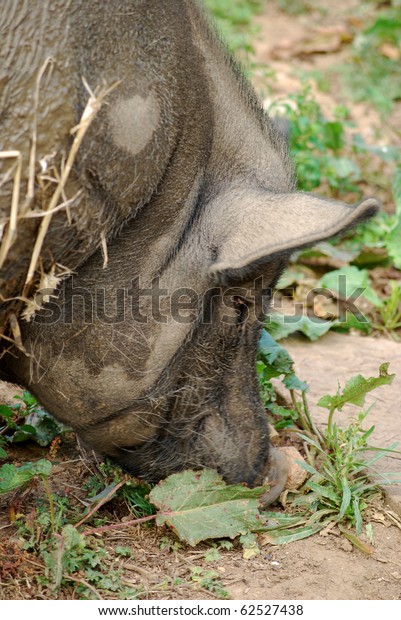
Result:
pixel 249 228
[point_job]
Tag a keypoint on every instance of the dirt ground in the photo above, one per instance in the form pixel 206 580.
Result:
pixel 323 567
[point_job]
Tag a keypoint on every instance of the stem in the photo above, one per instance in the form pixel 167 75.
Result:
pixel 85 583
pixel 116 526
pixel 51 503
pixel 104 499
pixel 330 421
pixel 310 420
pixel 304 422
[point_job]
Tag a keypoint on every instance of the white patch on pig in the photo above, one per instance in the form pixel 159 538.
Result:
pixel 133 122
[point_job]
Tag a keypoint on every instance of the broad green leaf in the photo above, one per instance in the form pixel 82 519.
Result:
pixel 24 432
pixel 276 362
pixel 292 382
pixel 45 427
pixel 356 389
pixel 274 356
pixel 200 505
pixel 386 28
pixel 352 322
pixel 281 326
pixel 349 282
pixel 12 477
pixel 325 249
pixel 6 412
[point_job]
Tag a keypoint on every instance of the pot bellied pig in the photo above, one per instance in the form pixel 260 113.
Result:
pixel 150 354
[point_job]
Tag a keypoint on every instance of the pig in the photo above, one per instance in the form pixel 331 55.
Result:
pixel 186 215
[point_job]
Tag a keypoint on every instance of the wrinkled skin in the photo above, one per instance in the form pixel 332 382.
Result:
pixel 190 182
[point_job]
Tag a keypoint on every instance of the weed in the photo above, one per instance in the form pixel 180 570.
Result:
pixel 340 488
pixel 169 544
pixel 24 420
pixel 297 7
pixel 374 71
pixel 133 492
pixel 234 19
pixel 390 311
pixel 212 555
pixel 68 556
pixel 318 145
pixel 69 553
pixel 209 580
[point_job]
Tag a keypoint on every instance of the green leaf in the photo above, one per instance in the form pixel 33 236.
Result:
pixel 45 427
pixel 12 477
pixel 349 281
pixel 358 517
pixel 292 382
pixel 281 326
pixel 280 520
pixel 357 542
pixel 346 500
pixel 323 491
pixel 325 249
pixel 282 537
pixel 6 412
pixel 200 505
pixel 250 545
pixel 356 389
pixel 274 361
pixel 276 357
pixel 304 465
pixel 352 321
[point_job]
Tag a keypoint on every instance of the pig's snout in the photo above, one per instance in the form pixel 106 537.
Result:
pixel 276 477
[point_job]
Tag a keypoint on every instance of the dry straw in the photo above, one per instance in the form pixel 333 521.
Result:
pixel 22 209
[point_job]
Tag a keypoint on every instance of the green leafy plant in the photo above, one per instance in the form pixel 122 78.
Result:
pixel 374 71
pixel 339 460
pixel 294 7
pixel 390 311
pixel 319 146
pixel 209 580
pixel 13 477
pixel 25 420
pixel 341 487
pixel 110 481
pixel 235 22
pixel 199 506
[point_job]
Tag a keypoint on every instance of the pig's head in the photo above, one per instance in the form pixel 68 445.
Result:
pixel 220 282
pixel 168 381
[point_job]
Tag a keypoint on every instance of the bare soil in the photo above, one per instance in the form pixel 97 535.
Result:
pixel 325 566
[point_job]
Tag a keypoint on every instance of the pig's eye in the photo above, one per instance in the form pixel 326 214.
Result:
pixel 241 308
